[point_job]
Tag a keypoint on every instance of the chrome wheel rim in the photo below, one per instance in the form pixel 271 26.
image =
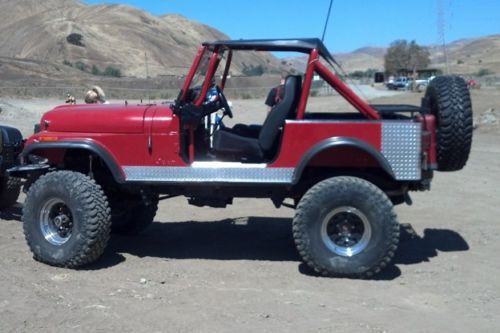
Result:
pixel 56 221
pixel 346 231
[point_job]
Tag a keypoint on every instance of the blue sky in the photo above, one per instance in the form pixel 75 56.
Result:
pixel 353 23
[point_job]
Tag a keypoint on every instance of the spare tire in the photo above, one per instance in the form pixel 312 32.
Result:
pixel 449 101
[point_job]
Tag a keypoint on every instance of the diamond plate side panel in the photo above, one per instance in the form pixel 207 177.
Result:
pixel 210 175
pixel 401 146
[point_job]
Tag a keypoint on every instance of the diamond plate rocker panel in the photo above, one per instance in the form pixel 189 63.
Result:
pixel 208 174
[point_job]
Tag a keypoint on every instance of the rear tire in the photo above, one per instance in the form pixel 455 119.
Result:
pixel 346 227
pixel 130 214
pixel 10 187
pixel 66 219
pixel 450 103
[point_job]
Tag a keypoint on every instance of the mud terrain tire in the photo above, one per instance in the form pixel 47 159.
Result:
pixel 346 227
pixel 130 215
pixel 66 219
pixel 450 103
pixel 10 188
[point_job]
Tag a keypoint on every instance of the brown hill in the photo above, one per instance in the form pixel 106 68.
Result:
pixel 127 38
pixel 112 35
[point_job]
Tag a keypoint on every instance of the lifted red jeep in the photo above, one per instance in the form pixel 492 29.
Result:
pixel 94 169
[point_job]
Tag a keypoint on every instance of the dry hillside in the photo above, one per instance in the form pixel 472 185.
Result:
pixel 470 55
pixel 113 35
pixel 465 56
pixel 34 44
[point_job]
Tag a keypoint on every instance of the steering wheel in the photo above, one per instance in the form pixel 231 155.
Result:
pixel 224 103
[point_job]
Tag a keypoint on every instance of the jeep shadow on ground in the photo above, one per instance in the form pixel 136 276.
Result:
pixel 252 238
pixel 260 238
pixel 414 248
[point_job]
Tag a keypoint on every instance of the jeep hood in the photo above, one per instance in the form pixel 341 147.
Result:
pixel 95 118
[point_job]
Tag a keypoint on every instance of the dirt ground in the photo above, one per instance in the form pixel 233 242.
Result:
pixel 237 270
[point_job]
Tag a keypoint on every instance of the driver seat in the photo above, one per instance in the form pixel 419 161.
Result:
pixel 255 149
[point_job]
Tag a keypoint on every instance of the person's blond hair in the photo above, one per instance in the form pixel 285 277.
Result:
pixel 95 95
pixel 91 97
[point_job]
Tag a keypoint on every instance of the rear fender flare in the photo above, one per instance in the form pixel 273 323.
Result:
pixel 337 142
pixel 89 146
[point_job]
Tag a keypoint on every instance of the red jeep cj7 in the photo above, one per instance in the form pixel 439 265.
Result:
pixel 95 169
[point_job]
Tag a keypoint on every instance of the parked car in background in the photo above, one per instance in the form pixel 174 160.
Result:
pixel 401 82
pixel 419 83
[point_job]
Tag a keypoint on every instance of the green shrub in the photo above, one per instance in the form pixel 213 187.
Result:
pixel 67 63
pixel 81 66
pixel 112 71
pixel 253 70
pixel 95 70
pixel 75 39
pixel 484 72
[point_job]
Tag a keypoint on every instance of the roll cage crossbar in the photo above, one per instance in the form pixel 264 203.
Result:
pixel 311 46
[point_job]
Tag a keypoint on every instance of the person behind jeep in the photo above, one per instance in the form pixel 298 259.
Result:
pixel 276 94
pixel 95 96
pixel 70 99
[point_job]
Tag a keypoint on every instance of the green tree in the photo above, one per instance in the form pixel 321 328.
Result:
pixel 404 55
pixel 357 74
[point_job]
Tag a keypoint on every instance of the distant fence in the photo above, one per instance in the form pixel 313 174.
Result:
pixel 119 93
pixel 162 87
pixel 154 93
pixel 79 92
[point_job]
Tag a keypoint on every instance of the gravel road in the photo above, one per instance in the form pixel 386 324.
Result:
pixel 236 269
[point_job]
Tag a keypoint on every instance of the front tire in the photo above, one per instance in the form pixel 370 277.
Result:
pixel 346 227
pixel 66 219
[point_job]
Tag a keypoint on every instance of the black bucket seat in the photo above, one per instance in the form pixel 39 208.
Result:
pixel 231 143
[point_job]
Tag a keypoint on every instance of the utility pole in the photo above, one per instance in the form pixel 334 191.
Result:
pixel 441 31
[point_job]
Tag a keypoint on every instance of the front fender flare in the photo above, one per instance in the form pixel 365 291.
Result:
pixel 87 145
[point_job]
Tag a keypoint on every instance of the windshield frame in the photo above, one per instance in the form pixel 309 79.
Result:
pixel 201 75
